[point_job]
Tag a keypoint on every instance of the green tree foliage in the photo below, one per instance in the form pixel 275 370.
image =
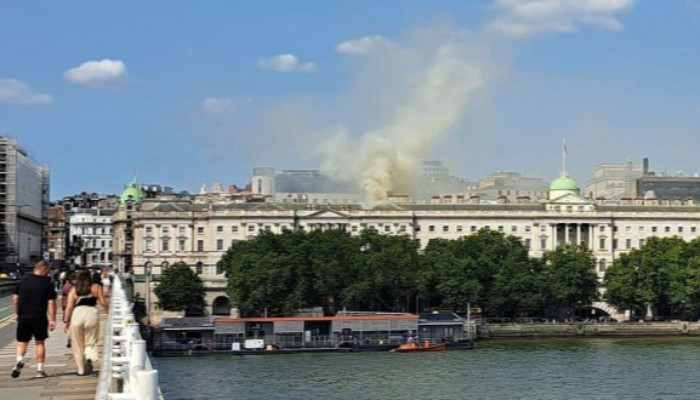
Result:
pixel 279 274
pixel 570 281
pixel 180 289
pixel 663 275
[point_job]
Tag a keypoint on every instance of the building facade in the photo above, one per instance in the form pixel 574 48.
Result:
pixel 199 229
pixel 24 202
pixel 91 232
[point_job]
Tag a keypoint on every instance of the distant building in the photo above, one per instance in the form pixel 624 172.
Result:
pixel 615 181
pixel 511 186
pixel 24 203
pixel 300 186
pixel 59 235
pixel 92 228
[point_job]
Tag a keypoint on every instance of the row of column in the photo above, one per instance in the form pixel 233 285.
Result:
pixel 575 233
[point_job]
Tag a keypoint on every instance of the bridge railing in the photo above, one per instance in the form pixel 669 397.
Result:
pixel 126 372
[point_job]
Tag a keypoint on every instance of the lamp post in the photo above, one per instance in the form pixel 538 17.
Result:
pixel 147 271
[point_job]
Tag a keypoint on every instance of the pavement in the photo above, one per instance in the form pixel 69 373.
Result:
pixel 62 382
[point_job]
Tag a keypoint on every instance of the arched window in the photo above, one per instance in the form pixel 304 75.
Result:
pixel 148 268
pixel 164 266
pixel 200 268
pixel 601 265
pixel 221 306
pixel 219 268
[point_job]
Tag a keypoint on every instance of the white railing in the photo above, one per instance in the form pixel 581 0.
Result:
pixel 126 372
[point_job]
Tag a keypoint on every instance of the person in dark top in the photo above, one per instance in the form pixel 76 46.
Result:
pixel 34 297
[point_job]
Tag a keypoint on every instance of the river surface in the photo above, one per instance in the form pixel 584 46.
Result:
pixel 641 368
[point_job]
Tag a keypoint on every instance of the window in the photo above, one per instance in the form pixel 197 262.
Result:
pixel 200 245
pixel 543 244
pixel 181 230
pixel 200 268
pixel 251 228
pixel 181 243
pixel 219 268
pixel 601 265
pixel 354 228
pixel 164 266
pixel 234 228
pixel 527 229
pixel 402 228
pixel 500 228
pixel 473 228
pixel 166 230
pixel 149 230
pixel 219 244
pixel 387 228
pixel 527 243
pixel 614 244
pixel 165 245
pixel 200 229
pixel 628 229
pixel 628 244
pixel 680 229
pixel 514 228
pixel 615 229
pixel 431 228
pixel 654 229
pixel 602 244
pixel 220 229
pixel 459 228
pixel 543 228
pixel 148 245
pixel 641 243
pixel 692 229
pixel 417 228
pixel 667 229
pixel 602 228
pixel 487 228
pixel 640 229
pixel 445 228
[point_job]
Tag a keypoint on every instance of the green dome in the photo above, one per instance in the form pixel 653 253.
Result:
pixel 564 183
pixel 133 193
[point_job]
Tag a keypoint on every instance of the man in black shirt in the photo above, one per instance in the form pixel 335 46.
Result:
pixel 34 296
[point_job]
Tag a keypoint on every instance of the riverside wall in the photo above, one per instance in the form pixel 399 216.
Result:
pixel 580 329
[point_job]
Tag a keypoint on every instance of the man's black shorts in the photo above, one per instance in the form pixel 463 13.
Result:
pixel 36 327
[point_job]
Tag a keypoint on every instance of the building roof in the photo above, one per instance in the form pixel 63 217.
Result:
pixel 133 193
pixel 564 183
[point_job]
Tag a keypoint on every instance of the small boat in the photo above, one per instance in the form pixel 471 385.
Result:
pixel 414 347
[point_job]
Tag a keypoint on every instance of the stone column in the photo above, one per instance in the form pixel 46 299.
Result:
pixel 578 234
pixel 567 240
pixel 554 236
pixel 591 236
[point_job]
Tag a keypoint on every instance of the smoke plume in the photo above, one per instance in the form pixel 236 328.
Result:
pixel 434 81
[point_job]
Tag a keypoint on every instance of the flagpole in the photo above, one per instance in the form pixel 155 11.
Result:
pixel 563 157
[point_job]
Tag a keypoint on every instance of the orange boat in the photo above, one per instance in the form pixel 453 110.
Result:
pixel 414 347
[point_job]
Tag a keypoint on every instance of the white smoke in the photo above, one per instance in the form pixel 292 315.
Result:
pixel 435 83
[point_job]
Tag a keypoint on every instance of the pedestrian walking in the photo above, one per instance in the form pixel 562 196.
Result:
pixel 34 297
pixel 65 291
pixel 107 279
pixel 82 320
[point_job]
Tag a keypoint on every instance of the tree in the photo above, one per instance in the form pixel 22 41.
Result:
pixel 570 278
pixel 180 289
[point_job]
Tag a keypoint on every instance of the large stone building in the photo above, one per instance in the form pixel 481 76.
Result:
pixel 24 203
pixel 152 234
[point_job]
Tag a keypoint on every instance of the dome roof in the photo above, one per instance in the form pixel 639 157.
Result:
pixel 564 183
pixel 133 193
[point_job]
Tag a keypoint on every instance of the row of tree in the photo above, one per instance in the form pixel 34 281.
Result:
pixel 278 274
pixel 662 278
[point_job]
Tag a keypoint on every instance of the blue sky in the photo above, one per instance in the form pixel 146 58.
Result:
pixel 190 93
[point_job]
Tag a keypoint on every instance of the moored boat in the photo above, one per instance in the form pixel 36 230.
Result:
pixel 414 347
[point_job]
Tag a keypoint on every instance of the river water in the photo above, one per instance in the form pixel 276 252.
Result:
pixel 640 368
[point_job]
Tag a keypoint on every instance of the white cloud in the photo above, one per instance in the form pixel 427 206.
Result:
pixel 221 105
pixel 286 63
pixel 363 45
pixel 523 18
pixel 97 73
pixel 16 92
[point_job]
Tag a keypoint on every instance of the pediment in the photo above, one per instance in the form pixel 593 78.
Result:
pixel 327 214
pixel 570 199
